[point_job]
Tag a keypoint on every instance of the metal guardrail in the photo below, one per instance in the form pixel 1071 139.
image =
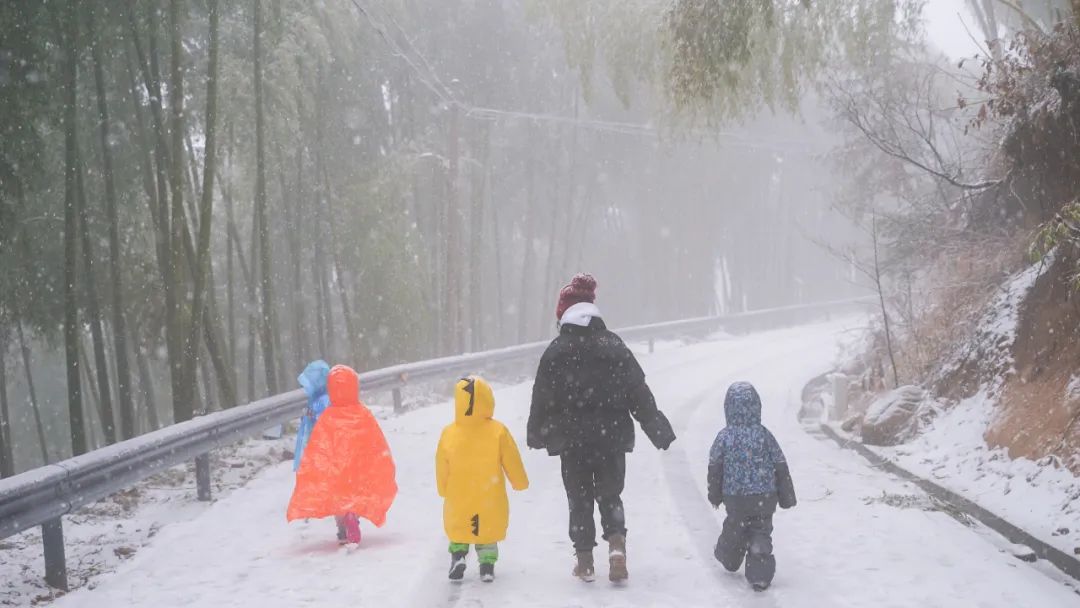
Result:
pixel 42 496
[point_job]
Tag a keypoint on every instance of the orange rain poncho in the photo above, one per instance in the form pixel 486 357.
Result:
pixel 347 466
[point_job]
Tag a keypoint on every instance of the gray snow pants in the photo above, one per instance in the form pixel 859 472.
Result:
pixel 749 536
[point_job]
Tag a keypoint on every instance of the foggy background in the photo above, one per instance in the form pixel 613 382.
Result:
pixel 408 180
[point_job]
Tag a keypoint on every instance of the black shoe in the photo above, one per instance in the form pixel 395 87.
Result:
pixel 457 566
pixel 487 572
pixel 759 587
pixel 341 538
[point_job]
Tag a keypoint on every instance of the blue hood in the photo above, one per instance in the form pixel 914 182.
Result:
pixel 742 406
pixel 313 379
pixel 745 454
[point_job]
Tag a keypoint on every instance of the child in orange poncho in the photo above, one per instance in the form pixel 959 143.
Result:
pixel 347 470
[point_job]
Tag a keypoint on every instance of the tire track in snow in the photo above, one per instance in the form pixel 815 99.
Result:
pixel 439 592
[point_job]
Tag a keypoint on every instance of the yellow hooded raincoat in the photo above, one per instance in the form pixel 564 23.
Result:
pixel 476 456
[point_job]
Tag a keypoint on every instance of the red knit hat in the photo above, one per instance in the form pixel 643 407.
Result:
pixel 582 288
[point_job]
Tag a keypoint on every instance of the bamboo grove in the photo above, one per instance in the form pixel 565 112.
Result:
pixel 198 197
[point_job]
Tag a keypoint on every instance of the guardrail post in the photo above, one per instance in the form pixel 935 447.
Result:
pixel 399 403
pixel 52 539
pixel 652 345
pixel 202 477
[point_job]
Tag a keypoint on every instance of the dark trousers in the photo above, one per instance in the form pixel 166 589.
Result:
pixel 748 536
pixel 590 476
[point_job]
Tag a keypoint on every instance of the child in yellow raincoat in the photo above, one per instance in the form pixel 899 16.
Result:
pixel 476 456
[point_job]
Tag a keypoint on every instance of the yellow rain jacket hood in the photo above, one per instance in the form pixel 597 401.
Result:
pixel 476 456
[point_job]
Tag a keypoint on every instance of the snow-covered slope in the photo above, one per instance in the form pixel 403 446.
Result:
pixel 1039 497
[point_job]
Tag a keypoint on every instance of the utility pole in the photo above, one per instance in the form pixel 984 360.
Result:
pixel 453 237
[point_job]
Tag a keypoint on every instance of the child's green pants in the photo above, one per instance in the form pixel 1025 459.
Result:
pixel 488 554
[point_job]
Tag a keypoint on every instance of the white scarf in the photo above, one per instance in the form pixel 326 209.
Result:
pixel 580 314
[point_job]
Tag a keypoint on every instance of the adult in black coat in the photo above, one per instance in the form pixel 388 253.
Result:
pixel 588 389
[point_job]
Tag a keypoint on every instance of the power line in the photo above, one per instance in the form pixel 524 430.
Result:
pixel 448 97
pixel 427 64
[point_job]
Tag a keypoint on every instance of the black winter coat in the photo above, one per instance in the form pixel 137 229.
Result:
pixel 587 388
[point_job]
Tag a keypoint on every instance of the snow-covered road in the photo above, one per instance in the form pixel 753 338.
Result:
pixel 842 546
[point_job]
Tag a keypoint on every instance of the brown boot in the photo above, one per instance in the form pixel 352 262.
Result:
pixel 617 558
pixel 584 569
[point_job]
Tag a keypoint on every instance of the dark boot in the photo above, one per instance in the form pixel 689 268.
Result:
pixel 487 572
pixel 457 566
pixel 341 536
pixel 617 572
pixel 584 568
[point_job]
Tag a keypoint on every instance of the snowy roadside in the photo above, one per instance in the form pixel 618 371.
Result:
pixel 101 536
pixel 949 447
pixel 1040 497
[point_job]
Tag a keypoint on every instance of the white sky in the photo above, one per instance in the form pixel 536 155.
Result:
pixel 945 20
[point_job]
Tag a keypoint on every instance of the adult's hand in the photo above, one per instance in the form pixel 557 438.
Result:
pixel 534 442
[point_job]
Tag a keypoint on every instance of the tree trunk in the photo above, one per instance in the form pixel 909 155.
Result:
pixel 269 317
pixel 119 326
pixel 146 385
pixel 287 211
pixel 322 287
pixel 549 278
pixel 192 175
pixel 93 401
pixel 224 368
pixel 7 456
pixel 884 309
pixel 578 241
pixel 167 259
pixel 476 241
pixel 498 257
pixel 209 399
pixel 24 348
pixel 253 323
pixel 206 206
pixel 568 229
pixel 151 183
pixel 183 380
pixel 230 292
pixel 527 263
pixel 326 318
pixel 294 217
pixel 230 271
pixel 170 265
pixel 453 237
pixel 71 224
pixel 103 393
pixel 302 340
pixel 346 311
pixel 339 278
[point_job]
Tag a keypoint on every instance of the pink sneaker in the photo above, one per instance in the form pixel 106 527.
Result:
pixel 352 529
